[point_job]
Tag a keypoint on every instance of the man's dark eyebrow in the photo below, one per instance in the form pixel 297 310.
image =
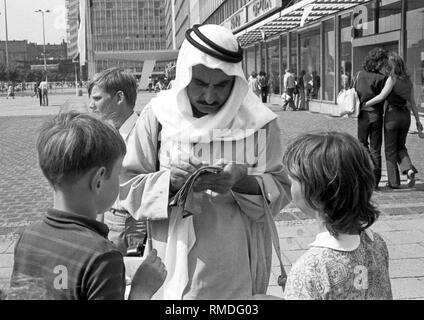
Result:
pixel 200 80
pixel 223 82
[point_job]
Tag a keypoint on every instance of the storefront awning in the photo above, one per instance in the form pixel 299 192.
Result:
pixel 291 18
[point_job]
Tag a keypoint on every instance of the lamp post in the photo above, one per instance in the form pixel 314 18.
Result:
pixel 7 40
pixel 44 40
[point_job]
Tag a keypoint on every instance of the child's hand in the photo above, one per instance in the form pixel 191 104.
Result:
pixel 148 278
pixel 419 125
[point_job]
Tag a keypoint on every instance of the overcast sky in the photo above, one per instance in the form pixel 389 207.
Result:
pixel 24 24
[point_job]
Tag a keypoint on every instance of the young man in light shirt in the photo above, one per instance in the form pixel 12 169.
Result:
pixel 113 93
pixel 44 90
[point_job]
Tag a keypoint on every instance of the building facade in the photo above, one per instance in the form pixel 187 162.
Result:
pixel 72 18
pixel 180 16
pixel 127 25
pixel 23 53
pixel 18 53
pixel 328 39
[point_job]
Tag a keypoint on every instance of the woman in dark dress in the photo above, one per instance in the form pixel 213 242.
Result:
pixel 370 81
pixel 399 93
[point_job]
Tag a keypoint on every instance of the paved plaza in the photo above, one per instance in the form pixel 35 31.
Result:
pixel 25 194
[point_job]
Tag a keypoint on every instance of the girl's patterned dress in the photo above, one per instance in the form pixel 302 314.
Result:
pixel 324 272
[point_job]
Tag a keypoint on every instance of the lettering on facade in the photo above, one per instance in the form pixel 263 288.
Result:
pixel 260 7
pixel 360 20
pixel 235 22
pixel 252 11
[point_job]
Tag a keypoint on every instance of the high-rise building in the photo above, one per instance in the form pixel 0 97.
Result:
pixel 127 25
pixel 72 14
pixel 170 24
pixel 180 16
pixel 130 34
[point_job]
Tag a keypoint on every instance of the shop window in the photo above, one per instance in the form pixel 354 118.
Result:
pixel 389 15
pixel 283 56
pixel 263 57
pixel 258 57
pixel 345 63
pixel 329 59
pixel 250 60
pixel 293 52
pixel 415 47
pixel 273 66
pixel 310 62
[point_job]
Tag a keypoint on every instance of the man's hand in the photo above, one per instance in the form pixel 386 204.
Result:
pixel 148 278
pixel 221 182
pixel 181 170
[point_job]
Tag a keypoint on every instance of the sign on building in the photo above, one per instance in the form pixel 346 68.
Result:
pixel 251 12
pixel 41 67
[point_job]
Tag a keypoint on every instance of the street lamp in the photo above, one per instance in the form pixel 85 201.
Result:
pixel 7 40
pixel 44 39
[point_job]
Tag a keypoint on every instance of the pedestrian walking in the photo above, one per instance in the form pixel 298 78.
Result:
pixel 368 84
pixel 158 86
pixel 301 103
pixel 150 84
pixel 347 261
pixel 39 93
pixel 10 91
pixel 263 86
pixel 316 85
pixel 307 82
pixel 254 84
pixel 399 94
pixel 296 92
pixel 44 87
pixel 289 87
pixel 35 90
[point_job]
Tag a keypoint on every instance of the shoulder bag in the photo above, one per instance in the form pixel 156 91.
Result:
pixel 348 100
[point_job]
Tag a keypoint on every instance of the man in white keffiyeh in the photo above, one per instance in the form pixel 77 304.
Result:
pixel 218 246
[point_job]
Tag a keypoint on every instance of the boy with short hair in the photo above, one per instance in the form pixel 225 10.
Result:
pixel 81 157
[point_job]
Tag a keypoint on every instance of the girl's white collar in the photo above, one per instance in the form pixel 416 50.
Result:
pixel 344 242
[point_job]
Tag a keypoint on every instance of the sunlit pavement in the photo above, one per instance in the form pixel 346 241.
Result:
pixel 24 193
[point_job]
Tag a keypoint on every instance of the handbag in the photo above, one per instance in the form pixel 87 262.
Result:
pixel 348 100
pixel 285 97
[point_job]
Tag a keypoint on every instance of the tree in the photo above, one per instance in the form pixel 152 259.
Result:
pixel 3 74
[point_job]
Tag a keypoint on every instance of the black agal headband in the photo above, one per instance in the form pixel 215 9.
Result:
pixel 220 53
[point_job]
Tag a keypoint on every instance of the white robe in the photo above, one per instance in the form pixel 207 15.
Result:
pixel 231 257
